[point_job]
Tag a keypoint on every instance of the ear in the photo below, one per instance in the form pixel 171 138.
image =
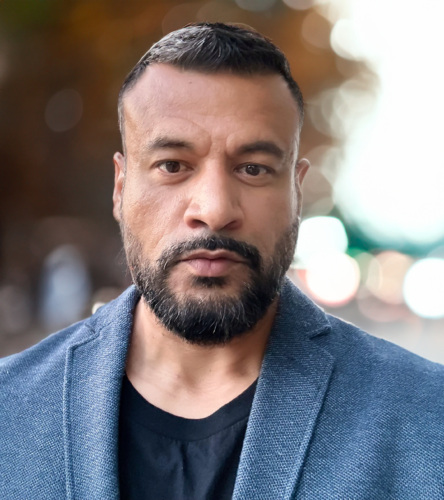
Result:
pixel 119 178
pixel 302 167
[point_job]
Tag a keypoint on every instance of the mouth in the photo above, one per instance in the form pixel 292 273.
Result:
pixel 212 263
pixel 214 255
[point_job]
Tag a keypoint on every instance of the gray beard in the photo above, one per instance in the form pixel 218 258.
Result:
pixel 214 321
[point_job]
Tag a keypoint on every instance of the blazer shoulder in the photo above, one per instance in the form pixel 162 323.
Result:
pixel 382 369
pixel 45 356
pixel 345 336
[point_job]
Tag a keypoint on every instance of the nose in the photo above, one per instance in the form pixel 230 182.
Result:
pixel 214 200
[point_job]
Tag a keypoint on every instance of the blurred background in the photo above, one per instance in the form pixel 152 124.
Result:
pixel 371 247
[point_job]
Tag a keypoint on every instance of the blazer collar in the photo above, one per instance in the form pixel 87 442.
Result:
pixel 290 392
pixel 94 367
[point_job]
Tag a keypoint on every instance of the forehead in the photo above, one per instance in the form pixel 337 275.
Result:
pixel 169 97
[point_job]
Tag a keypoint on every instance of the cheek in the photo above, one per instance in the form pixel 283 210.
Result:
pixel 270 217
pixel 150 215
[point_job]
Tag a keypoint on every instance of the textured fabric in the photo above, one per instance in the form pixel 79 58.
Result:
pixel 187 458
pixel 337 414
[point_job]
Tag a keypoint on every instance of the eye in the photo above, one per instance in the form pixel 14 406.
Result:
pixel 254 170
pixel 170 166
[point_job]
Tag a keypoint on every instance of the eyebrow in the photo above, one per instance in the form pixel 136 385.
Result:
pixel 167 143
pixel 164 142
pixel 268 147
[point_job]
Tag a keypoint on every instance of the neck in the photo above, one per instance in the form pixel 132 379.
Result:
pixel 192 380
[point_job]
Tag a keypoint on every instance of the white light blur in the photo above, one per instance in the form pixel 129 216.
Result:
pixel 96 306
pixel 332 278
pixel 345 40
pixel 392 180
pixel 320 234
pixel 424 288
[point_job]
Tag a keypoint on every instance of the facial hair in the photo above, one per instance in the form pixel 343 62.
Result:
pixel 214 320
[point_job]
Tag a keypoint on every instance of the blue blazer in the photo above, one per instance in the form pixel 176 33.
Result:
pixel 337 414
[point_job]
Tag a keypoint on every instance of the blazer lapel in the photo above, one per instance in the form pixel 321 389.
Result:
pixel 93 372
pixel 289 395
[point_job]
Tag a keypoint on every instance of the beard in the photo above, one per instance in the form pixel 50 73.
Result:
pixel 214 320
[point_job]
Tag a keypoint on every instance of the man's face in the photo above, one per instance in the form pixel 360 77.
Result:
pixel 208 196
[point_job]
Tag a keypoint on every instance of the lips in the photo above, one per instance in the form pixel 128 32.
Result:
pixel 213 255
pixel 212 263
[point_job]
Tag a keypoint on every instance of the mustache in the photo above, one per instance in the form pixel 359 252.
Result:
pixel 172 255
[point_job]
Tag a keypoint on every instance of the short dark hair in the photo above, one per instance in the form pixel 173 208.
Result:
pixel 213 48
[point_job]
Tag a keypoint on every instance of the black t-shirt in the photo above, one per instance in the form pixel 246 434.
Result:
pixel 165 457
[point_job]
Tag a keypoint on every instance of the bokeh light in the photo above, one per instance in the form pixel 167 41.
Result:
pixel 390 187
pixel 332 278
pixel 385 276
pixel 316 30
pixel 320 235
pixel 64 110
pixel 424 288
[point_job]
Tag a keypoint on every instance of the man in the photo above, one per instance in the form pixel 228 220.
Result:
pixel 214 377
